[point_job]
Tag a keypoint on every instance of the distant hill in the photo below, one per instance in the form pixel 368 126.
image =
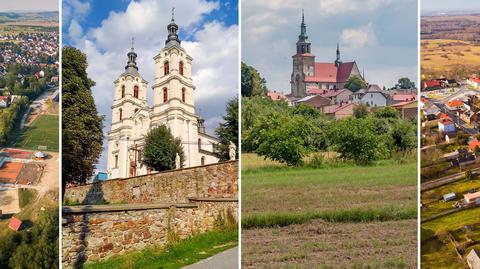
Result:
pixel 28 16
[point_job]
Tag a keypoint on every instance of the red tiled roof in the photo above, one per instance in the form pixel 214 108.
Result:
pixel 403 103
pixel 477 80
pixel 404 97
pixel 432 83
pixel 473 144
pixel 344 71
pixel 328 72
pixel 455 103
pixel 445 121
pixel 14 224
pixel 276 95
pixel 444 116
pixel 335 108
pixel 472 196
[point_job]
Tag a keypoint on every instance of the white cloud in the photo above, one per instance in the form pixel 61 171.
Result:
pixel 75 30
pixel 359 37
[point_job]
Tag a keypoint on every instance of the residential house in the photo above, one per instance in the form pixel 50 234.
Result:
pixel 474 82
pixel 14 224
pixel 432 112
pixel 337 96
pixel 472 198
pixel 4 101
pixel 446 125
pixel 317 101
pixel 473 145
pixel 464 158
pixel 408 109
pixel 376 99
pixel 473 259
pixel 431 85
pixel 278 96
pixel 454 105
pixel 340 111
pixel 400 98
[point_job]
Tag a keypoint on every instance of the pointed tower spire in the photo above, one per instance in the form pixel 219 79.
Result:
pixel 172 39
pixel 131 66
pixel 337 60
pixel 303 28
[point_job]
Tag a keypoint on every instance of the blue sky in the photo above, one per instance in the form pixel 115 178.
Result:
pixel 381 36
pixel 208 29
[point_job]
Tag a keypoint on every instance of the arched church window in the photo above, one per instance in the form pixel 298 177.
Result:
pixel 199 143
pixel 297 82
pixel 135 91
pixel 136 109
pixel 165 94
pixel 166 68
pixel 120 114
pixel 203 160
pixel 123 91
pixel 184 92
pixel 180 68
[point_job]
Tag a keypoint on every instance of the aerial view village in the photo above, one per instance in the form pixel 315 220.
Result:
pixel 450 141
pixel 327 137
pixel 29 137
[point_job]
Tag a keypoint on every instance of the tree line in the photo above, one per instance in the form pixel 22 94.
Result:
pixel 288 134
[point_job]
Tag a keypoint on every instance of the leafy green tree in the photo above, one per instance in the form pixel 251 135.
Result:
pixel 281 137
pixel 387 112
pixel 360 111
pixel 405 83
pixel 355 83
pixel 355 140
pixel 252 84
pixel 82 134
pixel 469 174
pixel 228 130
pixel 404 136
pixel 161 149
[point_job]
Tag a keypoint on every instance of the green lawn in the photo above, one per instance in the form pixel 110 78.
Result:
pixel 42 132
pixel 347 187
pixel 186 252
pixel 453 221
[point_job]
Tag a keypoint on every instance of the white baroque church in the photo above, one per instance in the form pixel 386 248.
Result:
pixel 173 106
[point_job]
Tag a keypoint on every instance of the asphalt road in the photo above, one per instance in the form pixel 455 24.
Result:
pixel 444 180
pixel 223 260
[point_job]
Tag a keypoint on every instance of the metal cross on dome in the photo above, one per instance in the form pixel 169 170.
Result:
pixel 173 12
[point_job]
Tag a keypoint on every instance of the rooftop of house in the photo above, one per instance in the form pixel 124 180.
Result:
pixel 330 72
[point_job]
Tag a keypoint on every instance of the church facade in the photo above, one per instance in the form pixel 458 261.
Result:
pixel 308 74
pixel 173 106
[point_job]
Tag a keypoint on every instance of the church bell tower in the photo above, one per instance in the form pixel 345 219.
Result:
pixel 303 62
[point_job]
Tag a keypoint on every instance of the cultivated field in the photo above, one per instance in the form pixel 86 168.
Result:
pixel 42 132
pixel 351 198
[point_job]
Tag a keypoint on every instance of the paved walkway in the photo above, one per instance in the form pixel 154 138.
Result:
pixel 223 260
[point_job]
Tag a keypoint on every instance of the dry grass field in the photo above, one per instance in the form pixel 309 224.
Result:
pixel 442 54
pixel 319 244
pixel 9 201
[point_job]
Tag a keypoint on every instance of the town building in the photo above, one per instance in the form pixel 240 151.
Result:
pixel 173 106
pixel 308 74
pixel 446 125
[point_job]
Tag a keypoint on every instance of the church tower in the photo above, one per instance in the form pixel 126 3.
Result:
pixel 173 91
pixel 129 105
pixel 338 62
pixel 303 62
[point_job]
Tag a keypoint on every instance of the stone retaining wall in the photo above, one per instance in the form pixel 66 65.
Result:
pixel 92 233
pixel 176 186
